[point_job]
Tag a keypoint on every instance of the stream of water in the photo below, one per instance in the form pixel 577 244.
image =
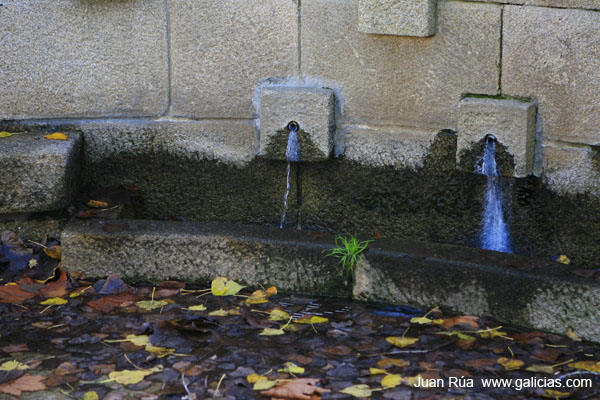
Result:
pixel 494 233
pixel 292 154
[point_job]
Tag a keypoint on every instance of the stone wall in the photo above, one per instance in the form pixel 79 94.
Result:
pixel 398 70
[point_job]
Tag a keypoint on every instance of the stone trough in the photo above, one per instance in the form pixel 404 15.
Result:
pixel 518 290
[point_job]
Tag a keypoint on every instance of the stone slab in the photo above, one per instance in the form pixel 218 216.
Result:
pixel 553 56
pixel 583 4
pixel 220 50
pixel 570 170
pixel 401 18
pixel 402 81
pixel 72 58
pixel 511 122
pixel 312 108
pixel 38 174
pixel 158 250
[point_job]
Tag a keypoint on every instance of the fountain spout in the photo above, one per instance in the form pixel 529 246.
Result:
pixel 292 154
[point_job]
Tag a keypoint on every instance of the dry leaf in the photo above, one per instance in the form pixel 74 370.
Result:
pixel 151 304
pixel 55 301
pixel 311 319
pixel 253 378
pixel 272 332
pixel 26 383
pixel 12 293
pixel 56 288
pixel 510 363
pixel 4 134
pixel 12 366
pixel 296 389
pixel 56 136
pixel 392 362
pixel 53 252
pixel 591 366
pixel 271 291
pixel 222 286
pixel 257 297
pixel 360 391
pixel 278 315
pixel 573 336
pixel 198 307
pixel 466 320
pixel 401 341
pixel 14 348
pixel 391 380
pixel 109 303
pixel 97 204
pixel 377 371
pixel 131 377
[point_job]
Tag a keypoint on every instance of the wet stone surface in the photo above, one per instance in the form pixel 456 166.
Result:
pixel 165 335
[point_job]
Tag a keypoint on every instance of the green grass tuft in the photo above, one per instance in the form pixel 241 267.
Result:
pixel 347 249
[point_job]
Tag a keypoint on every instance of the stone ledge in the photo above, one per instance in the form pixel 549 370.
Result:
pixel 583 4
pixel 466 280
pixel 400 18
pixel 38 174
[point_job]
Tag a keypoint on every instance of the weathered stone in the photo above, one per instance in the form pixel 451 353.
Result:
pixel 72 58
pixel 159 250
pixel 553 56
pixel 34 227
pixel 221 50
pixel 312 108
pixel 38 174
pixel 572 169
pixel 393 17
pixel 384 146
pixel 511 122
pixel 585 4
pixel 514 289
pixel 400 81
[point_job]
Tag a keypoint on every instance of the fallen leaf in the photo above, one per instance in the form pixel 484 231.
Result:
pixel 53 252
pixel 131 377
pixel 377 371
pixel 296 389
pixel 253 378
pixel 12 366
pixel 223 313
pixel 138 340
pixel 160 352
pixel 15 348
pixel 547 369
pixel 555 394
pixel 361 390
pixel 91 395
pixel 413 380
pixel 460 335
pixel 263 384
pixel 291 368
pixel 272 332
pixel 109 303
pixel 56 288
pixel 26 383
pixel 278 315
pixel 562 259
pixel 461 320
pixel 150 305
pixel 198 307
pixel 102 369
pixel 311 319
pixel 271 291
pixel 56 136
pixel 97 204
pixel 55 301
pixel 257 297
pixel 401 341
pixel 391 380
pixel 222 286
pixel 67 368
pixel 510 363
pixel 4 134
pixel 421 320
pixel 591 366
pixel 573 336
pixel 392 362
pixel 12 293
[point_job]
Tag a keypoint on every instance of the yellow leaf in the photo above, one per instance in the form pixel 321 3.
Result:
pixel 131 377
pixel 420 320
pixel 79 292
pixel 53 252
pixel 223 313
pixel 573 336
pixel 159 351
pixel 198 307
pixel 591 366
pixel 272 332
pixel 460 335
pixel 510 363
pixel 555 394
pixel 4 134
pixel 12 365
pixel 150 305
pixel 401 341
pixel 292 368
pixel 263 384
pixel 377 371
pixel 361 390
pixel 56 136
pixel 563 259
pixel 438 321
pixel 222 286
pixel 391 380
pixel 412 380
pixel 547 369
pixel 253 378
pixel 492 333
pixel 258 297
pixel 278 315
pixel 138 340
pixel 90 396
pixel 311 319
pixel 272 291
pixel 55 301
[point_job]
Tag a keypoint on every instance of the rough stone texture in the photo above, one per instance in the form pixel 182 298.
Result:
pixel 158 250
pixel 70 58
pixel 473 281
pixel 572 169
pixel 220 50
pixel 38 174
pixel 387 80
pixel 393 17
pixel 585 4
pixel 553 55
pixel 512 122
pixel 36 227
pixel 312 108
pixel 388 146
pixel 524 291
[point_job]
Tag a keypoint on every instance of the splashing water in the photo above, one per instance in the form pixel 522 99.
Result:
pixel 292 154
pixel 494 232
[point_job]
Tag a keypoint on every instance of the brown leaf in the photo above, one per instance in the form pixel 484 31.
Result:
pixel 26 383
pixel 102 369
pixel 97 204
pixel 300 359
pixel 546 354
pixel 461 320
pixel 57 380
pixel 340 350
pixel 109 303
pixel 296 389
pixel 166 293
pixel 392 362
pixel 480 363
pixel 13 348
pixel 53 252
pixel 57 288
pixel 12 293
pixel 67 368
